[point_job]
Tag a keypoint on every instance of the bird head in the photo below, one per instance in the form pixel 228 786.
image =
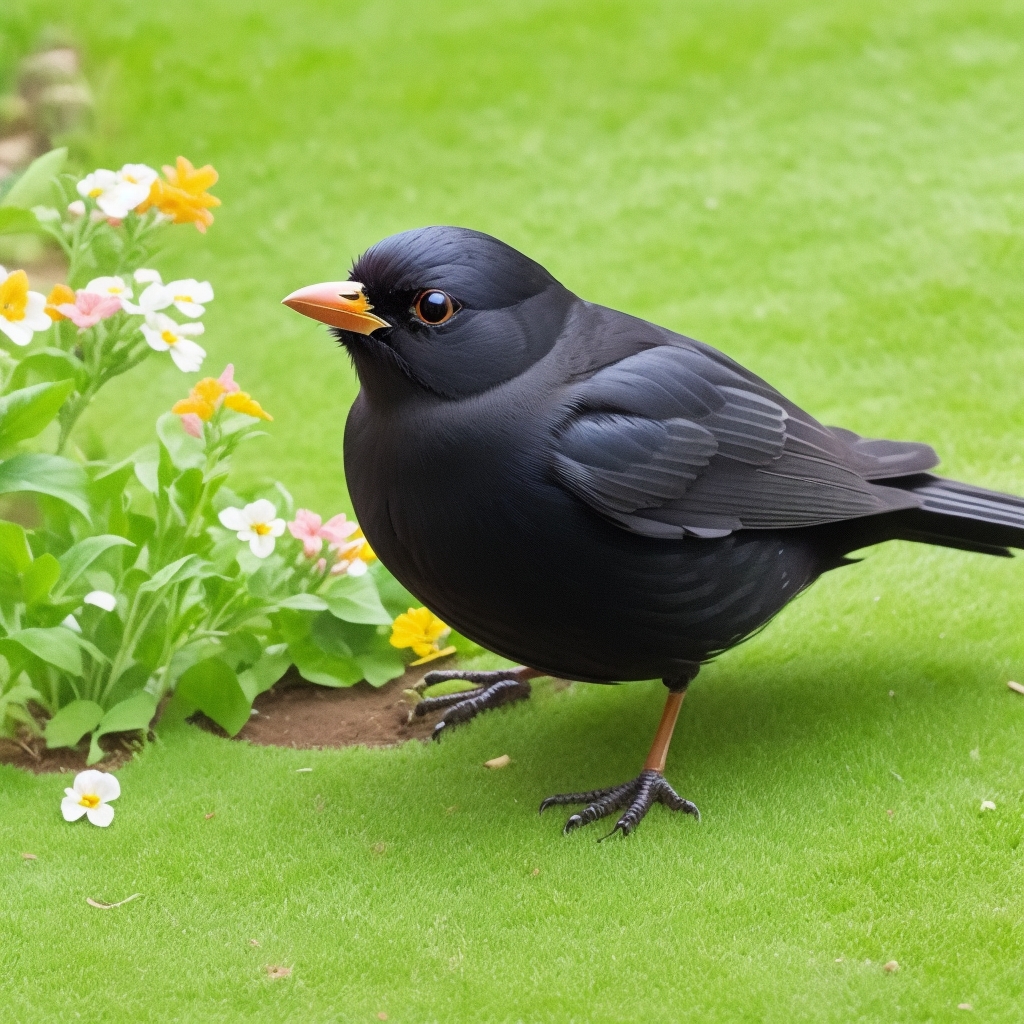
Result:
pixel 450 310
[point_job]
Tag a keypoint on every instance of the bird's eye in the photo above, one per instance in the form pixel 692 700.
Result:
pixel 434 307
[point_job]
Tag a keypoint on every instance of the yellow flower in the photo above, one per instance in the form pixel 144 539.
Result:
pixel 365 553
pixel 60 295
pixel 14 296
pixel 241 401
pixel 21 311
pixel 420 629
pixel 183 196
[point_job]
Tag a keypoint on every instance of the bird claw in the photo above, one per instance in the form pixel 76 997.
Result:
pixel 637 796
pixel 503 686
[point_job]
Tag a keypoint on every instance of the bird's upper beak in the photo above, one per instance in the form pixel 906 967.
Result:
pixel 339 303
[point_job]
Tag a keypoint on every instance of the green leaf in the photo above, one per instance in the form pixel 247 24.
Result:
pixel 328 633
pixel 47 363
pixel 72 722
pixel 355 599
pixel 26 412
pixel 46 474
pixel 147 467
pixel 56 646
pixel 264 673
pixel 189 567
pixel 319 667
pixel 185 451
pixel 15 554
pixel 304 603
pixel 212 687
pixel 12 705
pixel 135 712
pixel 80 556
pixel 17 222
pixel 380 667
pixel 33 187
pixel 39 579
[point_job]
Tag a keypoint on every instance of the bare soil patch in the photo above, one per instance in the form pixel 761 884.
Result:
pixel 30 752
pixel 292 713
pixel 298 714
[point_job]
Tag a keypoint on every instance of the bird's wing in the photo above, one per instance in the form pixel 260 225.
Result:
pixel 678 439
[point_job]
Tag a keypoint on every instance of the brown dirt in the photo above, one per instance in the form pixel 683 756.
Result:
pixel 295 713
pixel 30 752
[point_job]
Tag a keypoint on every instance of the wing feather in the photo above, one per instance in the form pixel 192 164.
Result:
pixel 672 441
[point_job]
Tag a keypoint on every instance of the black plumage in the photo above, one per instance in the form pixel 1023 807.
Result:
pixel 597 497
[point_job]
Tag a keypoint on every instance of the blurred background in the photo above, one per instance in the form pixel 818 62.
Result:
pixel 831 193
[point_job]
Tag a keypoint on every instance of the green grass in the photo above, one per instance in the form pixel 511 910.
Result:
pixel 829 192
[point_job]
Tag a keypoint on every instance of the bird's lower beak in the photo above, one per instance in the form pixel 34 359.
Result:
pixel 338 303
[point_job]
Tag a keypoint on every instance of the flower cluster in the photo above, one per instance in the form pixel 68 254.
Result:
pixel 103 297
pixel 212 394
pixel 422 630
pixel 136 188
pixel 347 548
pixel 259 526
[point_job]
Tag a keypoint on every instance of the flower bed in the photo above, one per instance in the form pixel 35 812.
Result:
pixel 148 583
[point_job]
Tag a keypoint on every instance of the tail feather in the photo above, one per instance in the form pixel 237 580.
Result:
pixel 951 514
pixel 956 514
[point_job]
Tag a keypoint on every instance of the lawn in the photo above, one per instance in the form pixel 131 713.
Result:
pixel 832 194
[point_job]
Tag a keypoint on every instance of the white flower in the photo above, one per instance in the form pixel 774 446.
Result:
pixel 71 623
pixel 114 286
pixel 164 334
pixel 257 523
pixel 97 185
pixel 22 312
pixel 187 295
pixel 117 193
pixel 91 795
pixel 988 805
pixel 101 599
pixel 77 208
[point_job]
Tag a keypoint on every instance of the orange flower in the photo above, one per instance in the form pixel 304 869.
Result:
pixel 183 196
pixel 241 401
pixel 60 295
pixel 205 398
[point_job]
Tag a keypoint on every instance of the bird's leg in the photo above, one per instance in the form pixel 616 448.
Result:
pixel 640 793
pixel 502 686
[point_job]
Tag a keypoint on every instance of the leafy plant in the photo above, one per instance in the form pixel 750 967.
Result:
pixel 149 577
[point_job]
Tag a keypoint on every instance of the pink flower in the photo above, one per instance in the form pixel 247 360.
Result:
pixel 89 308
pixel 227 381
pixel 193 425
pixel 337 530
pixel 306 527
pixel 321 564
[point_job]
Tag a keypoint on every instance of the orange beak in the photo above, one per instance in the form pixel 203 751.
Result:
pixel 338 303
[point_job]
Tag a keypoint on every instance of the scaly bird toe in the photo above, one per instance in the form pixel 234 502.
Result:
pixel 503 686
pixel 639 794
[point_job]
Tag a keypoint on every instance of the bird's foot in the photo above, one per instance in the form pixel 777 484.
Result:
pixel 503 686
pixel 636 796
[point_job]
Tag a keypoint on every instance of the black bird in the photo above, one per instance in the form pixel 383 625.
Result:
pixel 591 495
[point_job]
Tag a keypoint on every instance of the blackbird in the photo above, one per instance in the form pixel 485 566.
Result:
pixel 593 496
